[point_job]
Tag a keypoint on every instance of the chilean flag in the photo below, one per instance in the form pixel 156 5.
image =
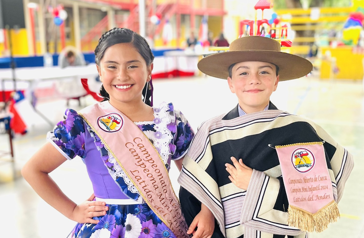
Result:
pixel 19 107
pixel 167 33
pixel 202 34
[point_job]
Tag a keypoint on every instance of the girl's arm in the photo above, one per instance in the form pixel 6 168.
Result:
pixel 203 224
pixel 36 172
pixel 179 163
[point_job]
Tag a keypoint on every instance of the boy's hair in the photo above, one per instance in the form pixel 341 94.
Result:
pixel 231 70
pixel 70 54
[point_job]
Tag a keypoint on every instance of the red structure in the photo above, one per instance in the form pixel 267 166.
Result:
pixel 260 23
pixel 249 23
pixel 165 10
pixel 262 5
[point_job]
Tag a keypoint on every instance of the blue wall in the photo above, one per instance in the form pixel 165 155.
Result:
pixel 37 61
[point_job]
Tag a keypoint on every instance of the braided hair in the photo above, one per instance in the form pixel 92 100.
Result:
pixel 124 35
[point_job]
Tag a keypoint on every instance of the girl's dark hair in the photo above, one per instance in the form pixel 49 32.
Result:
pixel 124 35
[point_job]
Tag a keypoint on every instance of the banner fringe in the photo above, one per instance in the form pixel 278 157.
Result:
pixel 317 222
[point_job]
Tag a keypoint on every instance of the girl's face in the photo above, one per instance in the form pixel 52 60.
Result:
pixel 123 73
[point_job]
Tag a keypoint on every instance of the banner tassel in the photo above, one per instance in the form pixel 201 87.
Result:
pixel 317 222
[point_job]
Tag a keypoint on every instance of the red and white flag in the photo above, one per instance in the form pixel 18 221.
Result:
pixel 167 33
pixel 203 32
pixel 22 113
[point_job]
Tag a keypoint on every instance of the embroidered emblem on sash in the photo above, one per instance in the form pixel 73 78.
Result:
pixel 303 160
pixel 112 122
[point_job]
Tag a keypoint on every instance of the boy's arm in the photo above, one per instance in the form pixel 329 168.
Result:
pixel 265 205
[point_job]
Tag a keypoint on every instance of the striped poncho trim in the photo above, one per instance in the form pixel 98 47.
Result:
pixel 262 208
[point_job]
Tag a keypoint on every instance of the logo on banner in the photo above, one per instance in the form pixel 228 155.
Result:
pixel 303 160
pixel 110 123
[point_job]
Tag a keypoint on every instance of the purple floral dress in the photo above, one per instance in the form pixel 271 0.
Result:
pixel 171 135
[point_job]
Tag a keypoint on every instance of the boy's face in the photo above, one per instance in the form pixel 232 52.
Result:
pixel 253 82
pixel 71 60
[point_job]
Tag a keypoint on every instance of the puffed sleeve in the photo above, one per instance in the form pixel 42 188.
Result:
pixel 183 136
pixel 68 136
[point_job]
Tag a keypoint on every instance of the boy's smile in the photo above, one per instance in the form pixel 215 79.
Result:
pixel 253 82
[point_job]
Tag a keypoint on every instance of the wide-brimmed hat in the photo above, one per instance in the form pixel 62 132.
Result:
pixel 255 48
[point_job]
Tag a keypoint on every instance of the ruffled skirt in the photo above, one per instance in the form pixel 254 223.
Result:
pixel 129 221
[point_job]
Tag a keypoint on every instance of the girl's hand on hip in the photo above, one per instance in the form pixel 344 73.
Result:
pixel 84 212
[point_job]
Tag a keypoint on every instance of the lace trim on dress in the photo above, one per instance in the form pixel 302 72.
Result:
pixel 164 116
pixel 161 138
pixel 143 122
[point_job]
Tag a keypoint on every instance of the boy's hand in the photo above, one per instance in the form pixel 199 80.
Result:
pixel 84 212
pixel 240 174
pixel 205 223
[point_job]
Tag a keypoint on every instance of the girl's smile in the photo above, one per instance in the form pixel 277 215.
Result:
pixel 123 87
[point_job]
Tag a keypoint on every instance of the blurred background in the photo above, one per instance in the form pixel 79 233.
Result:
pixel 46 47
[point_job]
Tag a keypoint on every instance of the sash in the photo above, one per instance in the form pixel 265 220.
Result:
pixel 308 186
pixel 139 160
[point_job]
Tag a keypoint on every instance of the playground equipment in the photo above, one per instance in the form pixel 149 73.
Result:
pixel 272 28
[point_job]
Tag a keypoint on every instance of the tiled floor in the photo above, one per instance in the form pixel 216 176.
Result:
pixel 338 106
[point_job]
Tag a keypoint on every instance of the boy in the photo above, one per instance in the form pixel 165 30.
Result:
pixel 283 174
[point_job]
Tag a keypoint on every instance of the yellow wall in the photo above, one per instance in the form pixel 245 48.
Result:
pixel 2 48
pixel 215 25
pixel 356 4
pixel 19 43
pixel 89 47
pixel 347 69
pixel 158 43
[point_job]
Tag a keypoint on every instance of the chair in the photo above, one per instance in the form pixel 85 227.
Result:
pixel 70 89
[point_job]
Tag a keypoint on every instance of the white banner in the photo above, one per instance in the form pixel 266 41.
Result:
pixel 1 35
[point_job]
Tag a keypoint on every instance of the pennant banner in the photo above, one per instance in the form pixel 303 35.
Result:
pixel 308 185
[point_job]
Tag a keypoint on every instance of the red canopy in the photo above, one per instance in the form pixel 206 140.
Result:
pixel 263 4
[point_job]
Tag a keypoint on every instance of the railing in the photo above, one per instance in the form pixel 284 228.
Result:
pixel 132 22
pixel 96 31
pixel 167 13
pixel 166 9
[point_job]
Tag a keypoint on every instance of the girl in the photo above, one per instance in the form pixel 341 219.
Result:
pixel 127 147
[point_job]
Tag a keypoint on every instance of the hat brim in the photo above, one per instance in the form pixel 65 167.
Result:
pixel 290 66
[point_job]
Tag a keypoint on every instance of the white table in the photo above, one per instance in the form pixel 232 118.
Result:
pixel 184 62
pixel 33 75
pixel 67 80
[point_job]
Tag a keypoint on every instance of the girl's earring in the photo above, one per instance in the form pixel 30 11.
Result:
pixel 146 91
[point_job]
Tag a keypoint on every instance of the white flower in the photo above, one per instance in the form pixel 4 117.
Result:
pixel 133 226
pixel 102 233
